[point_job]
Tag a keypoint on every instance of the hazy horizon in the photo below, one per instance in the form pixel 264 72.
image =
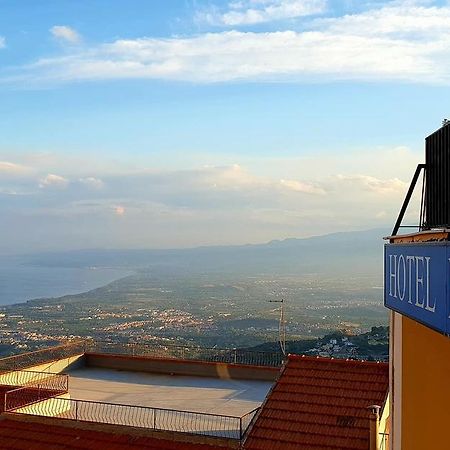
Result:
pixel 353 255
pixel 383 232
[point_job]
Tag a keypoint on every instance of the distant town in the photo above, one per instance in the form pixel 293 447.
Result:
pixel 329 317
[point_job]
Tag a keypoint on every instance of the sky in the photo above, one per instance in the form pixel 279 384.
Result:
pixel 165 124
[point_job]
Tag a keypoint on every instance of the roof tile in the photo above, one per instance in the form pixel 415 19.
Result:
pixel 18 435
pixel 320 404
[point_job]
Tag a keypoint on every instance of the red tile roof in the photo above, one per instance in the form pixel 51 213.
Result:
pixel 320 403
pixel 20 435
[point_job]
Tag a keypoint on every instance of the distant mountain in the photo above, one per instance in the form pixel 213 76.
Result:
pixel 357 252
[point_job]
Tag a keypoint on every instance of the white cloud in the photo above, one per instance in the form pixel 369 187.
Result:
pixel 300 186
pixel 13 169
pixel 254 201
pixel 232 177
pixel 209 205
pixel 406 43
pixel 65 33
pixel 52 180
pixel 379 162
pixel 92 182
pixel 373 184
pixel 2 42
pixel 248 56
pixel 414 22
pixel 236 179
pixel 259 11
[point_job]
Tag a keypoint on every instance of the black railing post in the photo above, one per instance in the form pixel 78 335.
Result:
pixel 407 198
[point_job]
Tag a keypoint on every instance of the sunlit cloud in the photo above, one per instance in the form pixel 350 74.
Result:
pixel 119 210
pixel 65 33
pixel 370 183
pixel 213 204
pixel 2 42
pixel 299 186
pixel 13 169
pixel 53 181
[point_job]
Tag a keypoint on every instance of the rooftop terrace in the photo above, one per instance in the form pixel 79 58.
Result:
pixel 134 395
pixel 179 392
pixel 152 391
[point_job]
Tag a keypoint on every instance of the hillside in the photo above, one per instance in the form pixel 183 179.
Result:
pixel 357 252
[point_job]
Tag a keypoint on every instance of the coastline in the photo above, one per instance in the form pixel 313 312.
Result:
pixel 20 284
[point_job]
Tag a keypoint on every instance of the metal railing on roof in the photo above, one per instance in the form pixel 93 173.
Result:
pixel 42 387
pixel 231 427
pixel 29 359
pixel 20 378
pixel 73 348
pixel 229 356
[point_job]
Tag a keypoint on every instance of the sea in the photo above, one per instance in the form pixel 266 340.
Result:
pixel 19 283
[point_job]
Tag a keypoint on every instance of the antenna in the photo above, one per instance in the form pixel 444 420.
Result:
pixel 281 327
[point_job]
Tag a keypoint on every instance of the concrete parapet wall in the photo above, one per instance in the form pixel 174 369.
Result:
pixel 21 377
pixel 181 367
pixel 60 365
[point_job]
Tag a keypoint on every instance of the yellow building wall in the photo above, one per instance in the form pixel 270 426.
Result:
pixel 425 411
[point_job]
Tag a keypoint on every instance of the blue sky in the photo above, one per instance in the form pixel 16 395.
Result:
pixel 182 123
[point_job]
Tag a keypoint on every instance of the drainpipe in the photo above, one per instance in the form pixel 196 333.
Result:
pixel 374 423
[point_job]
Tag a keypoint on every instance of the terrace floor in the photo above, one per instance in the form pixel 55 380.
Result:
pixel 187 393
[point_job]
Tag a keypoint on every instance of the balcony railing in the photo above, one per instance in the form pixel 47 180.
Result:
pixel 230 427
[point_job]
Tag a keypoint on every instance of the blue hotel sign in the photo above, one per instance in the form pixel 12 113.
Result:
pixel 417 282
